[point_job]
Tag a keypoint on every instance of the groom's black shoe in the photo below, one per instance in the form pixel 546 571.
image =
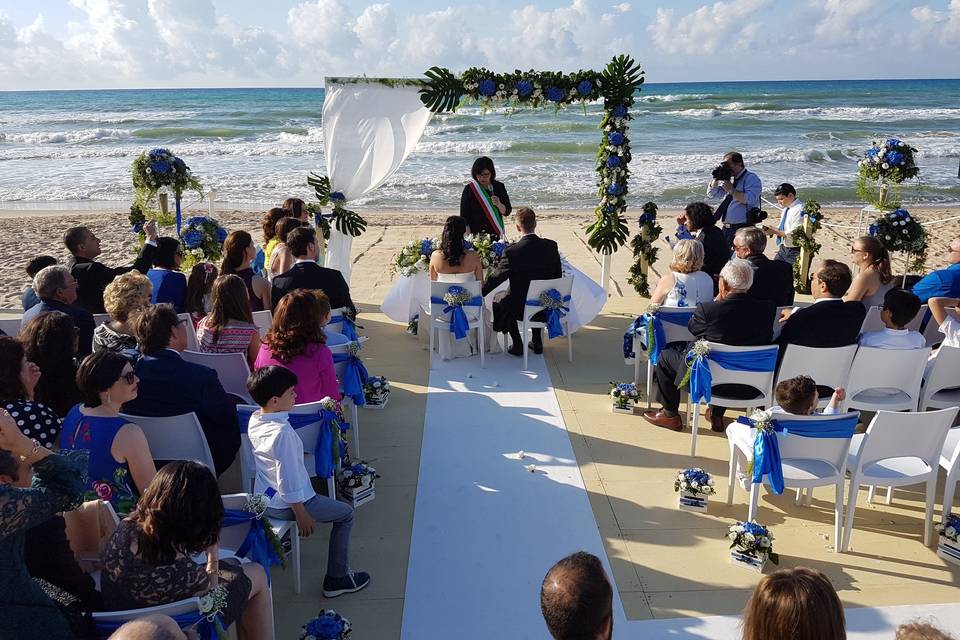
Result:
pixel 515 350
pixel 536 347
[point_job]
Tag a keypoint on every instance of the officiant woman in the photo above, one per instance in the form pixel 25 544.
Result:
pixel 484 203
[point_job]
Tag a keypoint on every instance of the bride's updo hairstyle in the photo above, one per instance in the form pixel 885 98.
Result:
pixel 878 255
pixel 451 244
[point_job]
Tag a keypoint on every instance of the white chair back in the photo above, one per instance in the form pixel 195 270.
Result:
pixel 192 343
pixel 914 325
pixel 872 321
pixel 10 326
pixel 175 437
pixel 231 368
pixel 675 332
pixel 232 537
pixel 874 368
pixel 262 320
pixel 762 381
pixel 440 289
pixel 944 375
pixel 932 331
pixel 830 450
pixel 563 285
pixel 828 367
pixel 895 434
pixel 177 608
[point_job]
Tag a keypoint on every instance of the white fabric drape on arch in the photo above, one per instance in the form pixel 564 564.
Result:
pixel 369 129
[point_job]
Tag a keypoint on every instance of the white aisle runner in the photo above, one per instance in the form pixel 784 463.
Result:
pixel 486 530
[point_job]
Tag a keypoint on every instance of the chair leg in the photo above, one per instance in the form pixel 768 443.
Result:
pixel 754 499
pixel 809 499
pixel 483 343
pixel 569 344
pixel 799 498
pixel 732 471
pixel 948 491
pixel 431 342
pixel 889 495
pixel 636 367
pixel 356 429
pixel 526 348
pixel 837 514
pixel 295 554
pixel 851 509
pixel 928 513
pixel 870 493
pixel 650 385
pixel 693 431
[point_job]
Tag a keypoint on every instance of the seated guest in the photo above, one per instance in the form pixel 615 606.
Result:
pixel 278 453
pixel 296 208
pixel 92 276
pixel 296 341
pixel 120 464
pixel 899 308
pixel 50 342
pixel 148 560
pixel 947 321
pixel 875 279
pixel 307 274
pixel 942 282
pixel 28 612
pixel 229 328
pixel 798 603
pixel 698 219
pixel 281 260
pixel 791 217
pixel 576 599
pixel 238 255
pixel 529 258
pixel 685 285
pixel 269 226
pixel 829 321
pixel 452 257
pixel 920 631
pixel 171 386
pixel 29 297
pixel 736 319
pixel 169 284
pixel 772 279
pixel 799 396
pixel 126 296
pixel 58 292
pixel 18 382
pixel 199 288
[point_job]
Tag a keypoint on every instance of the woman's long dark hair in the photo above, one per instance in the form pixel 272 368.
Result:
pixel 879 257
pixel 50 342
pixel 230 301
pixel 11 359
pixel 235 251
pixel 180 511
pixel 269 222
pixel 199 284
pixel 451 244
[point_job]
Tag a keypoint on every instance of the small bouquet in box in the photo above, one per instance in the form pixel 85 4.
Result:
pixel 751 545
pixel 947 547
pixel 355 483
pixel 328 625
pixel 624 395
pixel 376 391
pixel 695 487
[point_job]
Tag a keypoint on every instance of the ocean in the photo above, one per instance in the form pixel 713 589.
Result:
pixel 73 149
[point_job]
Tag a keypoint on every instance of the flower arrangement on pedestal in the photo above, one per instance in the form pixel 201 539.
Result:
pixel 751 545
pixel 644 250
pixel 803 238
pixel 162 169
pixel 328 625
pixel 624 395
pixel 202 238
pixel 414 256
pixel 898 230
pixel 695 486
pixel 885 164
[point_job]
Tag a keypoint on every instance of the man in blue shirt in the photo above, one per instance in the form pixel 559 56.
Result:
pixel 942 282
pixel 740 194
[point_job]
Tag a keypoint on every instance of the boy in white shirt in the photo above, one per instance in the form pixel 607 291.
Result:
pixel 799 396
pixel 899 308
pixel 283 478
pixel 947 321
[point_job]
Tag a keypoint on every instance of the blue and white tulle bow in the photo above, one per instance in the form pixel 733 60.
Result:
pixel 354 377
pixel 701 380
pixel 456 299
pixel 327 452
pixel 766 448
pixel 649 327
pixel 256 546
pixel 555 308
pixel 347 326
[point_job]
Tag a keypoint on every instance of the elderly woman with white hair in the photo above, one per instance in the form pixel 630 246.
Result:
pixel 686 285
pixel 733 319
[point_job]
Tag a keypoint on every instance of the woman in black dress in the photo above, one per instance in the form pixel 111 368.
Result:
pixel 484 203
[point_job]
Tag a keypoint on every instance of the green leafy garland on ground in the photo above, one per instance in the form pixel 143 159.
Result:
pixel 644 250
pixel 806 243
pixel 615 84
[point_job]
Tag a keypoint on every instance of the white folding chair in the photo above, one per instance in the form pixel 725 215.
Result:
pixel 829 367
pixel 761 381
pixel 232 370
pixel 354 414
pixel 440 320
pixel 564 286
pixel 941 389
pixel 806 462
pixel 899 449
pixel 10 326
pixel 872 321
pixel 117 618
pixel 950 460
pixel 174 437
pixel 886 379
pixel 232 537
pixel 192 343
pixel 337 318
pixel 262 321
pixel 673 333
pixel 932 331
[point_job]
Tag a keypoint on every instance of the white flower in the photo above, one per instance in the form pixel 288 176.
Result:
pixel 748 537
pixel 885 165
pixel 950 532
pixel 732 536
pixel 887 237
pixel 905 232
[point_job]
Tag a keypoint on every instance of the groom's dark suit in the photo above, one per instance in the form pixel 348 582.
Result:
pixel 310 275
pixel 530 258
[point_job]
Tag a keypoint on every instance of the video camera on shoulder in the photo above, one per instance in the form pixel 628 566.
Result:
pixel 756 215
pixel 722 172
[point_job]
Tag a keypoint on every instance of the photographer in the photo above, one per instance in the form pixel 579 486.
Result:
pixel 740 190
pixel 791 217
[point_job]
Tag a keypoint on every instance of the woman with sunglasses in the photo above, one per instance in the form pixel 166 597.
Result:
pixel 875 279
pixel 120 464
pixel 169 283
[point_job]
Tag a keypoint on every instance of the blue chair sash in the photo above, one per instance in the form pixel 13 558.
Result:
pixel 206 629
pixel 257 546
pixel 459 324
pixel 701 380
pixel 354 377
pixel 553 314
pixel 347 327
pixel 656 337
pixel 766 448
pixel 328 453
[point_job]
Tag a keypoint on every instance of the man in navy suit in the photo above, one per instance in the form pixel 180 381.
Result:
pixel 829 321
pixel 57 289
pixel 171 386
pixel 307 274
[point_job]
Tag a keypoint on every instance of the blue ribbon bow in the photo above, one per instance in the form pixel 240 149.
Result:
pixel 553 313
pixel 327 453
pixel 650 326
pixel 354 377
pixel 459 324
pixel 701 380
pixel 257 546
pixel 348 327
pixel 766 448
pixel 206 629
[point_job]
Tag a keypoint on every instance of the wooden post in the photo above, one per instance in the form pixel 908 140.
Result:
pixel 211 196
pixel 805 255
pixel 164 206
pixel 605 272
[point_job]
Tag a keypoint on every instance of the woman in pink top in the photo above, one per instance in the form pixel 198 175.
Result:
pixel 296 341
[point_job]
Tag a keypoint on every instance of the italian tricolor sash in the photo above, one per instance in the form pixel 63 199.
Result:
pixel 486 203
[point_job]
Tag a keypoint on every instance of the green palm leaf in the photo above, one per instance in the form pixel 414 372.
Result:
pixel 442 90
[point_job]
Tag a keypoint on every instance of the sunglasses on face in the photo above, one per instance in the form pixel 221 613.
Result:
pixel 129 377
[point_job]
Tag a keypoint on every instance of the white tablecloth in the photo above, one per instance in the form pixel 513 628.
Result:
pixel 406 295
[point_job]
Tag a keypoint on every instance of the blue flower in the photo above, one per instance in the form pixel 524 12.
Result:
pixel 160 166
pixel 585 87
pixel 137 227
pixel 468 246
pixel 615 189
pixel 192 239
pixel 616 138
pixel 325 627
pixel 498 247
pixel 613 161
pixel 619 111
pixel 894 142
pixel 754 528
pixel 555 94
pixel 338 195
pixel 158 153
pixel 195 221
pixel 894 157
pixel 873 229
pixel 426 247
pixel 487 87
pixel 872 152
pixel 524 88
pixel 221 234
pixel 610 208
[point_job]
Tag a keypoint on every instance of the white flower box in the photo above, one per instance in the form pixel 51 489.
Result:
pixel 628 410
pixel 357 496
pixel 693 501
pixel 948 549
pixel 753 563
pixel 379 404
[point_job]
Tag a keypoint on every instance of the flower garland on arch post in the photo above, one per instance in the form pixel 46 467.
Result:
pixel 346 221
pixel 644 250
pixel 615 84
pixel 803 237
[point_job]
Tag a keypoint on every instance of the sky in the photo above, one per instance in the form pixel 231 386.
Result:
pixel 92 44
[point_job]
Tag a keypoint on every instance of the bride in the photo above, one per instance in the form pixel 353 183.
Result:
pixel 452 262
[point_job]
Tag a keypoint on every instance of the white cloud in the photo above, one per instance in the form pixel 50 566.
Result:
pixel 708 29
pixel 942 26
pixel 623 7
pixel 844 22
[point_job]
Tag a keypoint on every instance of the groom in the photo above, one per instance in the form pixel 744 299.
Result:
pixel 529 258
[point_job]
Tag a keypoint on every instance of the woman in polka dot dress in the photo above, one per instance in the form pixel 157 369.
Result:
pixel 18 378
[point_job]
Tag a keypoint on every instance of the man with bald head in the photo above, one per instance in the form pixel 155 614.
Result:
pixel 576 599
